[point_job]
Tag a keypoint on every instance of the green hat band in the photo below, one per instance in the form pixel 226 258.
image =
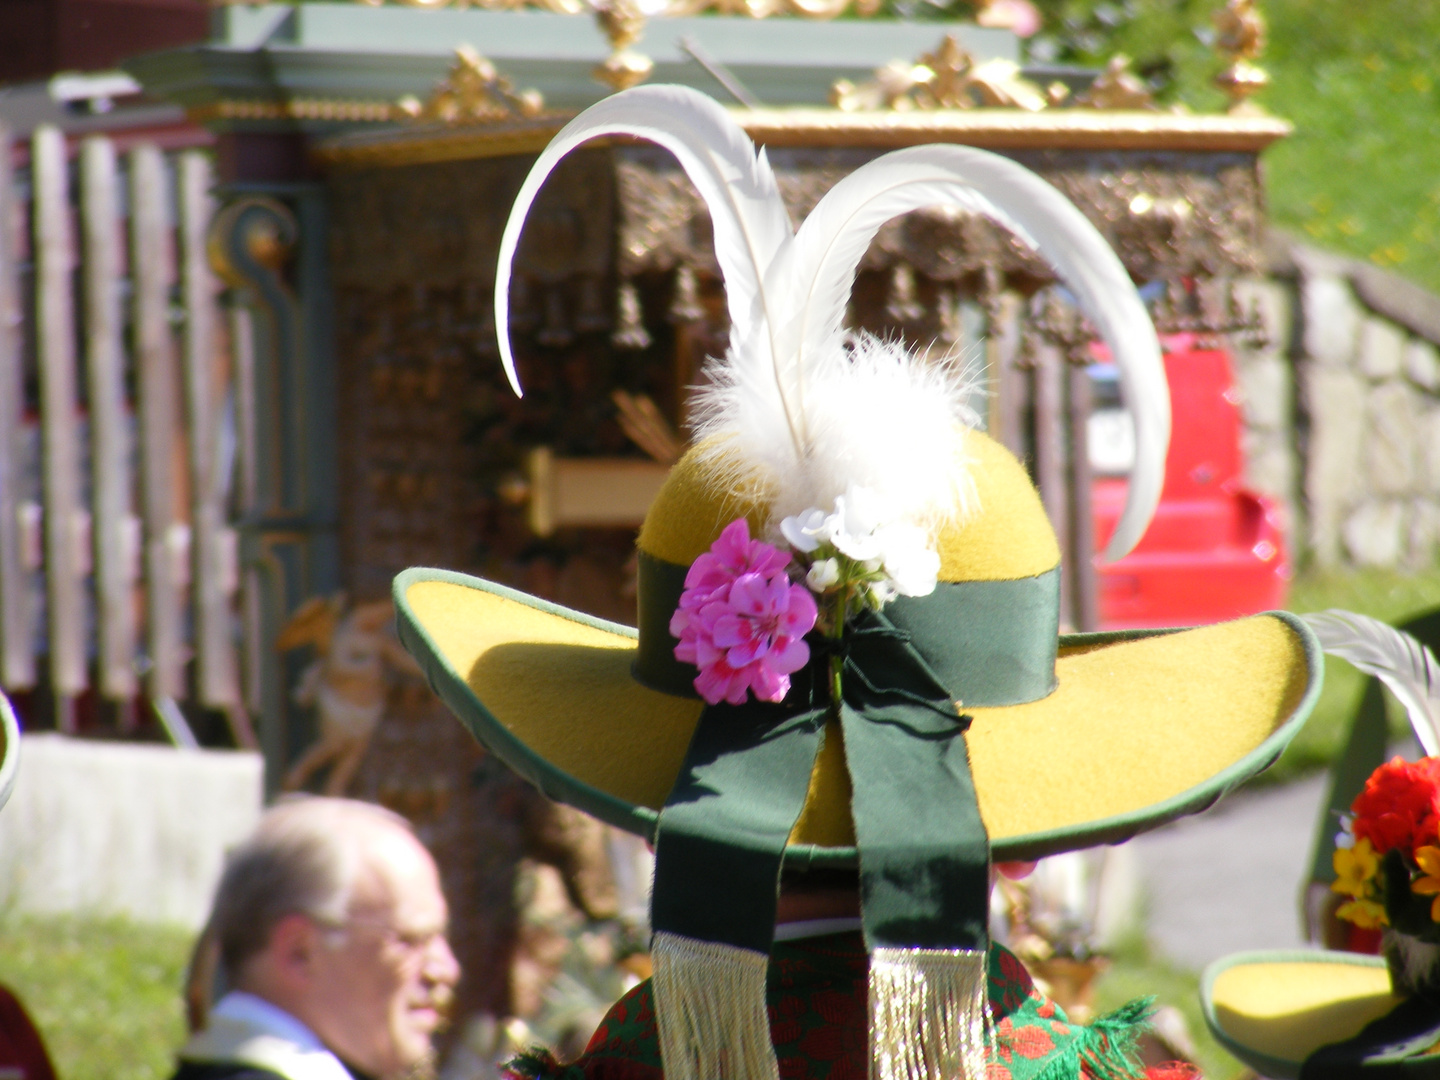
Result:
pixel 990 642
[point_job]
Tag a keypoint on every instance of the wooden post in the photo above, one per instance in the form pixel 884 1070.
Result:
pixel 17 642
pixel 1009 390
pixel 109 441
pixel 242 357
pixel 215 674
pixel 60 441
pixel 1050 456
pixel 153 275
pixel 1085 590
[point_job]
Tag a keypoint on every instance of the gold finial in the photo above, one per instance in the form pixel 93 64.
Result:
pixel 1240 37
pixel 624 24
pixel 473 91
pixel 1117 88
pixel 948 78
pixel 1019 16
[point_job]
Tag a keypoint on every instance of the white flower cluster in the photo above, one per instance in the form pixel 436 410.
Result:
pixel 861 544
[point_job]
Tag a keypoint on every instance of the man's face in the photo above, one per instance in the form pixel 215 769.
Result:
pixel 383 982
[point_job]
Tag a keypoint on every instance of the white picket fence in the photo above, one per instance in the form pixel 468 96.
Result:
pixel 118 436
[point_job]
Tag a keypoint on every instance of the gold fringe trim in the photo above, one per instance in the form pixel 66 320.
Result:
pixel 928 1016
pixel 710 1009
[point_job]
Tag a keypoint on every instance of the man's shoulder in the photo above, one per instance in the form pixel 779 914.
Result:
pixel 209 1070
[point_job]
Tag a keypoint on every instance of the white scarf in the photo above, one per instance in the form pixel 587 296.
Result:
pixel 246 1030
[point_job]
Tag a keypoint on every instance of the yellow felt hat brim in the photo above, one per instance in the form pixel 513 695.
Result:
pixel 1143 727
pixel 9 749
pixel 1272 1010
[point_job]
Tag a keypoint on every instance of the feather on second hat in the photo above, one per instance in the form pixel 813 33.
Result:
pixel 9 749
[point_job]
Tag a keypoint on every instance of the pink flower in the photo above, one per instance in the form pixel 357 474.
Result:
pixel 741 620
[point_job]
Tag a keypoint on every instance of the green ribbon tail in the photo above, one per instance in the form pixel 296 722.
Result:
pixel 924 861
pixel 719 847
pixel 924 852
pixel 722 834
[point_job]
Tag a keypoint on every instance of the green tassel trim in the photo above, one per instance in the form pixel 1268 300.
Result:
pixel 1106 1047
pixel 539 1064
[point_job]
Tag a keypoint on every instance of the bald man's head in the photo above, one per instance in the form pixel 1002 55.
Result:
pixel 333 912
pixel 306 857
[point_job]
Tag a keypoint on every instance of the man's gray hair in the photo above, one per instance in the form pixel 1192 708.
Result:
pixel 303 859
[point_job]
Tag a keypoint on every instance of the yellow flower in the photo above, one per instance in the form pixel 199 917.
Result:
pixel 1355 867
pixel 1429 885
pixel 1365 914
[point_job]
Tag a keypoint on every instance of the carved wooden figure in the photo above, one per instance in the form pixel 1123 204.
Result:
pixel 347 683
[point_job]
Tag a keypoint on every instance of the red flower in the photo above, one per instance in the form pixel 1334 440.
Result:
pixel 785 1032
pixel 1028 1040
pixel 1032 1042
pixel 1173 1070
pixel 837 1008
pixel 996 1071
pixel 1400 806
pixel 1014 971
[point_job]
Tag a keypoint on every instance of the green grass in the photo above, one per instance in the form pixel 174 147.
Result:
pixel 105 993
pixel 1361 174
pixel 1388 595
pixel 1360 82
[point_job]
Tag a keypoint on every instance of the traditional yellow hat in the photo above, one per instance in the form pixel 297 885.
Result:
pixel 847 649
pixel 1276 1011
pixel 1336 1015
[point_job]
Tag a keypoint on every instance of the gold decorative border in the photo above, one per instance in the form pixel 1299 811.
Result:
pixel 297 109
pixel 994 129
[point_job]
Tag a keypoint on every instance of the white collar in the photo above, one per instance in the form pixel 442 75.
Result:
pixel 266 1018
pixel 812 928
pixel 248 1030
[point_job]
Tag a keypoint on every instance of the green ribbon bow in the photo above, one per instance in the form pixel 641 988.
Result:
pixel 924 853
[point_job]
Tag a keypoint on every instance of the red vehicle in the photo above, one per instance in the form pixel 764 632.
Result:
pixel 1215 549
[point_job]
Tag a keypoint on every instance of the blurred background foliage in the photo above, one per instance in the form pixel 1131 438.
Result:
pixel 104 991
pixel 1361 173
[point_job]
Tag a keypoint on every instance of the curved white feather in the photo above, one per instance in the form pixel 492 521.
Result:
pixel 1403 664
pixel 737 184
pixel 819 269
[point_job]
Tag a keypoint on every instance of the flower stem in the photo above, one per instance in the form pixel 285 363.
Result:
pixel 837 631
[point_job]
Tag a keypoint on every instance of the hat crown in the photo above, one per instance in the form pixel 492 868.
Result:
pixel 1007 537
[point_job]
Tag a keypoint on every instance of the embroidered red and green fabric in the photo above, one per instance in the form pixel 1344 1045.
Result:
pixel 816 994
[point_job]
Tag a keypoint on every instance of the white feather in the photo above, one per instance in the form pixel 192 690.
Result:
pixel 805 410
pixel 819 269
pixel 1403 664
pixel 876 416
pixel 750 221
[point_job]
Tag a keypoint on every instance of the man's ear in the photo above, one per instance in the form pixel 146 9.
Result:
pixel 292 949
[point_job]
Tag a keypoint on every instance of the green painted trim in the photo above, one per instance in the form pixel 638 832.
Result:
pixel 1264 1064
pixel 353 52
pixel 456 693
pixel 9 748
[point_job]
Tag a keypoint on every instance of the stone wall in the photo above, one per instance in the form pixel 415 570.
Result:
pixel 119 828
pixel 1342 407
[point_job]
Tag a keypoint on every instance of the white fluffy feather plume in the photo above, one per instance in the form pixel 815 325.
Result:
pixel 874 415
pixel 1404 665
pixel 800 407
